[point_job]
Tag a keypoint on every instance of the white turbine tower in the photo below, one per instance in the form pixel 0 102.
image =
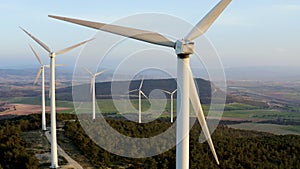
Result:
pixel 54 157
pixel 171 100
pixel 185 82
pixel 140 97
pixel 93 89
pixel 41 71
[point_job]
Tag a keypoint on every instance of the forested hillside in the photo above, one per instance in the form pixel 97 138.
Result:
pixel 12 147
pixel 235 148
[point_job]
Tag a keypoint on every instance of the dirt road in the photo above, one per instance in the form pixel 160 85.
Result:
pixel 71 162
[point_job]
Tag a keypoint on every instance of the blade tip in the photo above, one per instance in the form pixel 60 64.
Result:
pixel 56 17
pixel 52 16
pixel 22 29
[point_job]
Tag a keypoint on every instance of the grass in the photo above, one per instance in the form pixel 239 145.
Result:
pixel 269 128
pixel 262 114
pixel 239 106
pixel 108 106
pixel 25 100
pixel 37 101
pixel 234 110
pixel 294 129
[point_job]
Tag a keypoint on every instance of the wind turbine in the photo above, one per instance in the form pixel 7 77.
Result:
pixel 185 82
pixel 52 55
pixel 93 88
pixel 41 71
pixel 171 99
pixel 140 96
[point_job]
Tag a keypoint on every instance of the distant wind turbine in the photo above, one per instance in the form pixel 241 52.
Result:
pixel 185 82
pixel 93 88
pixel 41 71
pixel 140 96
pixel 54 157
pixel 171 99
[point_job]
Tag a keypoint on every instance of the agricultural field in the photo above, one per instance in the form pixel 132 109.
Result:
pixel 277 121
pixel 248 104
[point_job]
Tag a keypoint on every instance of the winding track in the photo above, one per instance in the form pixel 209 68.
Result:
pixel 61 152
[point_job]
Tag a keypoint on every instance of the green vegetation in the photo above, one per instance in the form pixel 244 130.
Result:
pixel 270 128
pixel 294 128
pixel 235 148
pixel 37 101
pixel 25 100
pixel 239 106
pixel 262 114
pixel 108 105
pixel 60 103
pixel 12 147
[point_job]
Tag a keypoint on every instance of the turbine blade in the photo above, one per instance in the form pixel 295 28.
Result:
pixel 131 91
pixel 87 70
pixel 72 47
pixel 207 21
pixel 165 91
pixel 36 55
pixel 99 73
pixel 199 112
pixel 174 91
pixel 142 35
pixel 37 40
pixel 141 85
pixel 47 66
pixel 38 75
pixel 144 95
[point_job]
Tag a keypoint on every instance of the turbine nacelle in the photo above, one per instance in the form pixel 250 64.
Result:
pixel 183 47
pixel 52 54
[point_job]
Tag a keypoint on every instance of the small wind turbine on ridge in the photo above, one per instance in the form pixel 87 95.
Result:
pixel 171 100
pixel 93 88
pixel 185 82
pixel 140 97
pixel 41 71
pixel 52 55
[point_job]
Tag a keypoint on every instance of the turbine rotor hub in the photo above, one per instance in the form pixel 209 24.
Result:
pixel 52 55
pixel 183 47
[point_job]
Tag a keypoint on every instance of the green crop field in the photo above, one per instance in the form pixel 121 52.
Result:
pixel 24 100
pixel 265 114
pixel 232 110
pixel 239 106
pixel 294 129
pixel 37 101
pixel 269 128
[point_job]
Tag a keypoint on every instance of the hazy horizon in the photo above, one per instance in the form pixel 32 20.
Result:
pixel 269 73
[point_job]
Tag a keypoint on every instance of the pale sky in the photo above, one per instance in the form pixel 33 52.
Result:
pixel 248 33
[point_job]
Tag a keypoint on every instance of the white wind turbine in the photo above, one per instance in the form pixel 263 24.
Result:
pixel 41 71
pixel 140 97
pixel 93 88
pixel 54 157
pixel 171 100
pixel 185 82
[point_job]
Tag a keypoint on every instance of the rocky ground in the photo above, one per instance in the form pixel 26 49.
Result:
pixel 37 143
